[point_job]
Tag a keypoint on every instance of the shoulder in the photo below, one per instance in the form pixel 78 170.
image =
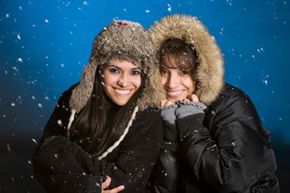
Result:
pixel 234 106
pixel 233 97
pixel 65 96
pixel 63 100
pixel 231 92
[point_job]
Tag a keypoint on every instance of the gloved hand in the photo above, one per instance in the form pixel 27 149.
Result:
pixel 189 117
pixel 169 118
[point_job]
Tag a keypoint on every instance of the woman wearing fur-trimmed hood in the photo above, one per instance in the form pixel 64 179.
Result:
pixel 213 137
pixel 107 124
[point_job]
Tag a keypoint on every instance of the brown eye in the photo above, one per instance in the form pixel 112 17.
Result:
pixel 184 71
pixel 136 72
pixel 114 70
pixel 163 71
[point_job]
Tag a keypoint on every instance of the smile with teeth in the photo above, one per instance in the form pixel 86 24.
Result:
pixel 173 94
pixel 122 91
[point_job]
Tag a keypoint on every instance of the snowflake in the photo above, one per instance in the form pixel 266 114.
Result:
pixel 169 8
pixel 19 60
pixel 34 140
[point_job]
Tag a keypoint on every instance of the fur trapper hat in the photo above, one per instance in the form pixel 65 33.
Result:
pixel 120 40
pixel 210 72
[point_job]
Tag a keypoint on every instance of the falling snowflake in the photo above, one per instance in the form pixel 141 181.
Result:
pixel 230 2
pixel 169 8
pixel 265 78
pixel 39 105
pixel 18 37
pixel 265 82
pixel 46 21
pixel 19 60
pixel 85 3
pixel 59 122
pixel 147 11
pixel 34 140
pixel 8 147
pixel 15 68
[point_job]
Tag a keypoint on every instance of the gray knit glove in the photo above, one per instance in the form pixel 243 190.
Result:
pixel 189 117
pixel 169 118
pixel 185 109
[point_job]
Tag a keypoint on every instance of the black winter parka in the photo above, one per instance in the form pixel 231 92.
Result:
pixel 62 166
pixel 222 149
pixel 225 151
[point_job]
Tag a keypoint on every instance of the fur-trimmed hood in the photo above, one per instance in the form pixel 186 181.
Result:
pixel 120 40
pixel 210 72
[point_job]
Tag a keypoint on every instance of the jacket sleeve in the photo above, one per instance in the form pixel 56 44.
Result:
pixel 62 166
pixel 164 176
pixel 225 158
pixel 58 164
pixel 138 154
pixel 59 119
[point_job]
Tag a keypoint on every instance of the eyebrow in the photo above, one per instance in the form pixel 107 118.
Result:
pixel 112 65
pixel 137 68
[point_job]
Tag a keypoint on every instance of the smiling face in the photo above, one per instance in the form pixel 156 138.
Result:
pixel 178 67
pixel 177 82
pixel 121 80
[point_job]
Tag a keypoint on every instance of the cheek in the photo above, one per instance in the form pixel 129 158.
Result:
pixel 137 81
pixel 163 80
pixel 188 83
pixel 110 79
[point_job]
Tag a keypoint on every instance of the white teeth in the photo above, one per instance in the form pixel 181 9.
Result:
pixel 174 93
pixel 122 92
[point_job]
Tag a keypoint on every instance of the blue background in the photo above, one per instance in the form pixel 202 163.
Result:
pixel 44 46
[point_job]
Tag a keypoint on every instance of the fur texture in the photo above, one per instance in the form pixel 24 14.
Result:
pixel 210 72
pixel 120 40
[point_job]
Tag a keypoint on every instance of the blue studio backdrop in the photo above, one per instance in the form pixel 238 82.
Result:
pixel 44 46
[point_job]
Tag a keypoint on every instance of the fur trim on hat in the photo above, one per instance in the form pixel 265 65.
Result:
pixel 210 72
pixel 120 40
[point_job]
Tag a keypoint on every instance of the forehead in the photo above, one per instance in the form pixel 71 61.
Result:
pixel 172 61
pixel 122 63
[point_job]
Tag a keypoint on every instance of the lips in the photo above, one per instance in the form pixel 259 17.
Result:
pixel 122 92
pixel 174 94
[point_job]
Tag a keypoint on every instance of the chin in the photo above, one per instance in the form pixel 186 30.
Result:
pixel 121 103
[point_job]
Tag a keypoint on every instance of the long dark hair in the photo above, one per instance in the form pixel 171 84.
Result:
pixel 91 128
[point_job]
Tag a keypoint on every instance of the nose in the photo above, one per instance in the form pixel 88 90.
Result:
pixel 172 80
pixel 123 80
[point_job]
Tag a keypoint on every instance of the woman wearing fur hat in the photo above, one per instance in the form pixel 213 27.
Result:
pixel 106 125
pixel 214 140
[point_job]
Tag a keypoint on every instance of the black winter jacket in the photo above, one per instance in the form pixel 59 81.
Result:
pixel 62 166
pixel 224 150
